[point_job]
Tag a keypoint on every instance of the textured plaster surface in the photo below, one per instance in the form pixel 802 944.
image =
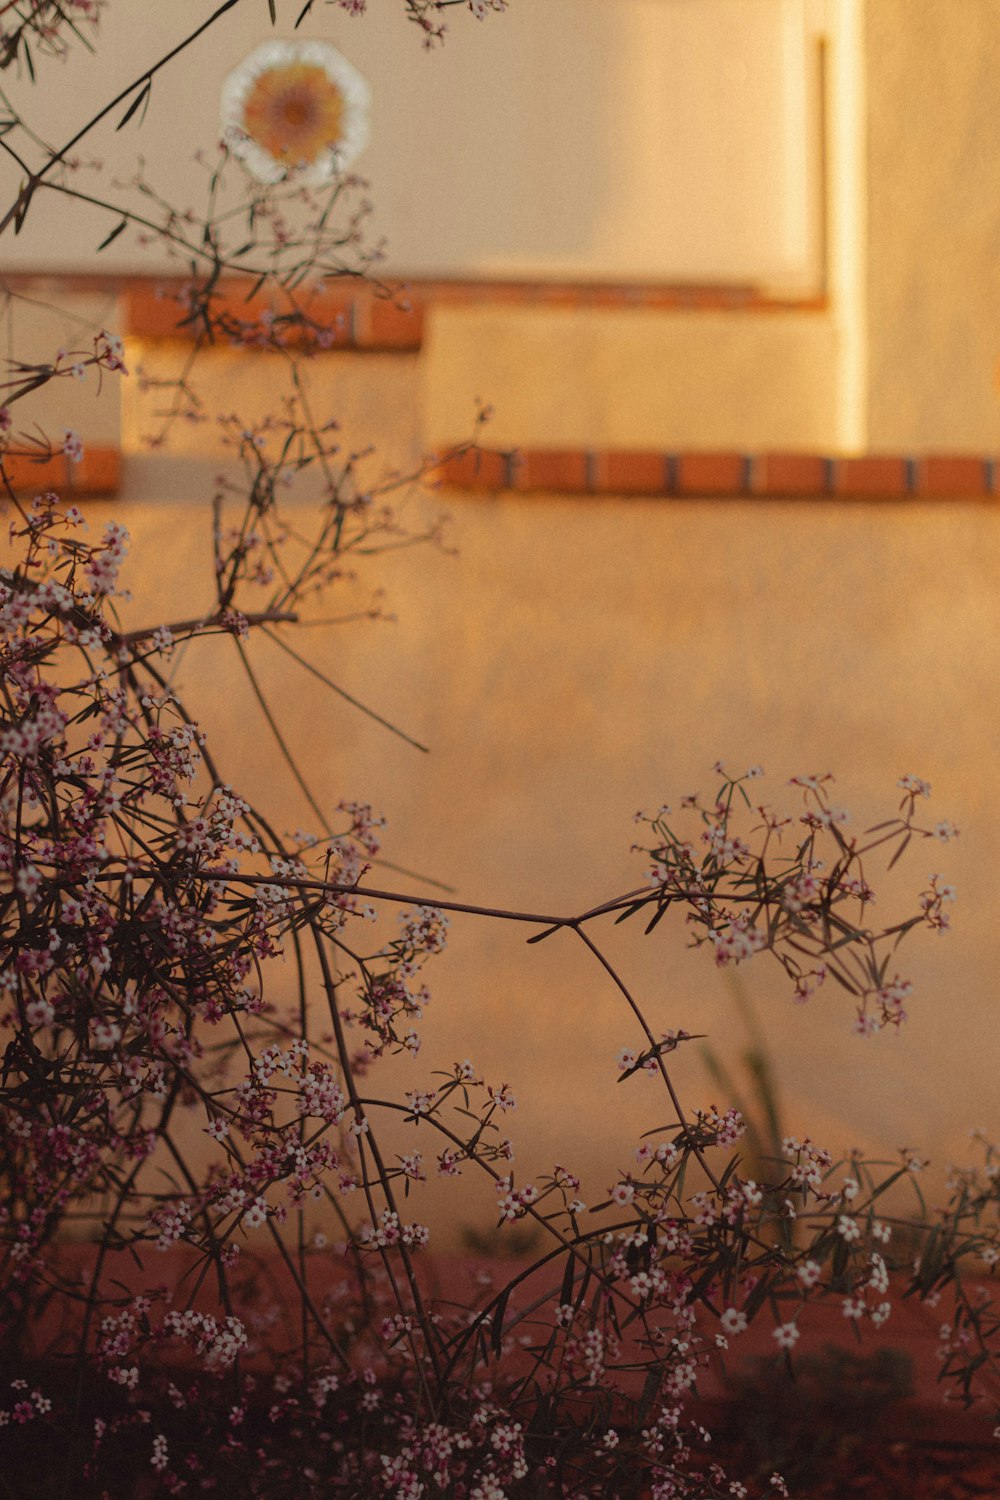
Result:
pixel 564 378
pixel 370 397
pixel 34 330
pixel 934 223
pixel 579 660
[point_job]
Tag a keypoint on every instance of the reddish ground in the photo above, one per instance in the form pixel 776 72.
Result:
pixel 861 1417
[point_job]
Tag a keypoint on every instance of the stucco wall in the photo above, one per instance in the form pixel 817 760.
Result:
pixel 37 328
pixel 934 223
pixel 931 251
pixel 634 379
pixel 579 660
pixel 571 138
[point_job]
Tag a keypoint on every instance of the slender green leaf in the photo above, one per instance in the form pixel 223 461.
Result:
pixel 899 852
pixel 539 936
pixel 140 101
pixel 649 1389
pixel 21 212
pixel 112 236
pixel 496 1334
pixel 566 1291
pixel 630 911
pixel 657 916
pixel 757 1298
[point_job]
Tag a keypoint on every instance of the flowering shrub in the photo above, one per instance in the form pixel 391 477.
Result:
pixel 215 1275
pixel 49 25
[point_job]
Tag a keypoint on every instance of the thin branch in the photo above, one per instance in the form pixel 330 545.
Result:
pixel 355 702
pixel 20 204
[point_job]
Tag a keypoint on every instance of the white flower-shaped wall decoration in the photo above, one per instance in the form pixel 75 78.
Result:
pixel 295 107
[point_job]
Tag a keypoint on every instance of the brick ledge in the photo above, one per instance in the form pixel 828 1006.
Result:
pixel 97 474
pixel 362 318
pixel 590 471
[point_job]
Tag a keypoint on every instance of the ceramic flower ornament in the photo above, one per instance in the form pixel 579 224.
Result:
pixel 295 107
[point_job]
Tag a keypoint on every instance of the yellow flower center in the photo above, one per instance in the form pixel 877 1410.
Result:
pixel 295 113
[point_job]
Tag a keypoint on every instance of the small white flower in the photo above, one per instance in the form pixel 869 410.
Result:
pixel 295 107
pixel 881 1313
pixel 786 1335
pixel 733 1321
pixel 809 1273
pixel 256 1214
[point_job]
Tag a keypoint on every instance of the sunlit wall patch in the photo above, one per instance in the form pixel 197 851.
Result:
pixel 295 107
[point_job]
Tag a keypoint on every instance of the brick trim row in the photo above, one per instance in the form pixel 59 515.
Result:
pixel 358 320
pixel 96 474
pixel 367 318
pixel 580 471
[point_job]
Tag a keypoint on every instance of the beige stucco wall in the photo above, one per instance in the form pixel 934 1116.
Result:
pixel 579 660
pixel 553 378
pixel 934 223
pixel 47 326
pixel 373 398
pixel 570 138
pixel 634 379
pixel 912 336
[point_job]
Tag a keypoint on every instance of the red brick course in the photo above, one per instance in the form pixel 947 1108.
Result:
pixel 97 473
pixel 777 474
pixel 875 475
pixel 941 475
pixel 711 474
pixel 554 471
pixel 476 469
pixel 623 473
pixel 581 471
pixel 733 475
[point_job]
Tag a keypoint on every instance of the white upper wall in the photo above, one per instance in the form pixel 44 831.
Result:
pixel 625 139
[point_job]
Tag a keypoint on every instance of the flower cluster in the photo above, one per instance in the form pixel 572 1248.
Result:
pixel 49 25
pixel 217 1144
pixel 753 881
